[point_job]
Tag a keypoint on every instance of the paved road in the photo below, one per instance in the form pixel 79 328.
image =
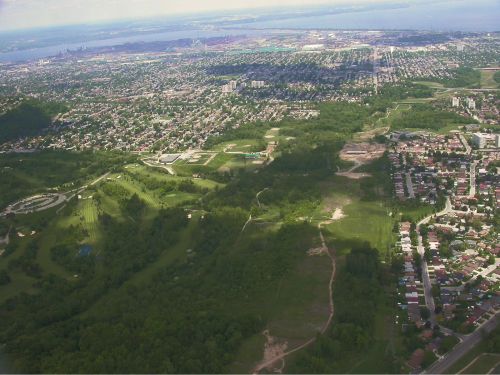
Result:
pixel 463 347
pixel 472 179
pixel 409 185
pixel 429 299
pixel 447 209
pixel 468 149
pixel 100 178
pixel 170 170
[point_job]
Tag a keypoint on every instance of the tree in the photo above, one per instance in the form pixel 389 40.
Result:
pixel 425 313
pixel 491 259
pixel 429 358
pixel 4 277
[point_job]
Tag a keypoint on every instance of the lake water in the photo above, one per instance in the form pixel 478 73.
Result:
pixel 477 15
pixel 461 15
pixel 38 53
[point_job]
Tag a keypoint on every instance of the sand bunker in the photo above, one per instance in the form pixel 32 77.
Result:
pixel 353 175
pixel 337 214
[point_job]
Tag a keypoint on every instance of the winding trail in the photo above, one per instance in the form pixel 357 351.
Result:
pixel 170 170
pixel 261 366
pixel 258 194
pixel 246 223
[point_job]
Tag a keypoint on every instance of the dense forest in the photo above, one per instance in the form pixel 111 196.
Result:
pixel 27 119
pixel 462 77
pixel 425 116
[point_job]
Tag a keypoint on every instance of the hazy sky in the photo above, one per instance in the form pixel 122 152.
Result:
pixel 15 14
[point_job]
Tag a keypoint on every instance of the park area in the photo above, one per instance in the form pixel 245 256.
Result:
pixel 51 220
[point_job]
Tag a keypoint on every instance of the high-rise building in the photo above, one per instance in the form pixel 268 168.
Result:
pixel 257 84
pixel 227 89
pixel 455 102
pixel 479 140
pixel 471 103
pixel 497 141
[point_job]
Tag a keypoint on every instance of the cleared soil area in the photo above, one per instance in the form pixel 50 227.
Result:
pixel 362 153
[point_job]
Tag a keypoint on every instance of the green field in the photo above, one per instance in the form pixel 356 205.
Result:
pixel 487 79
pixel 482 364
pixel 364 221
pixel 487 352
pixel 434 85
pixel 239 145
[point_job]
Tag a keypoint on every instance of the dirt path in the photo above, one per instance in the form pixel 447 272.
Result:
pixel 210 159
pixel 258 194
pixel 354 175
pixel 246 223
pixel 170 170
pixel 273 356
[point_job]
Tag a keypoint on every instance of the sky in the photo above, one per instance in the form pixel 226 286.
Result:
pixel 21 14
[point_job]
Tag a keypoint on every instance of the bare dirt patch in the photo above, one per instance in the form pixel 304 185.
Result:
pixel 362 153
pixel 315 251
pixel 359 154
pixel 338 214
pixel 274 349
pixel 369 134
pixel 353 175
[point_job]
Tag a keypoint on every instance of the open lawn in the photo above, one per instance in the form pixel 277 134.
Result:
pixel 145 171
pixel 239 145
pixel 178 253
pixel 482 364
pixel 414 213
pixel 476 352
pixel 134 187
pixel 433 85
pixel 416 100
pixel 487 80
pixel 364 221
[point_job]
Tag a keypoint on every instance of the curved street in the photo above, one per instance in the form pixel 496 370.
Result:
pixel 463 347
pixel 467 342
